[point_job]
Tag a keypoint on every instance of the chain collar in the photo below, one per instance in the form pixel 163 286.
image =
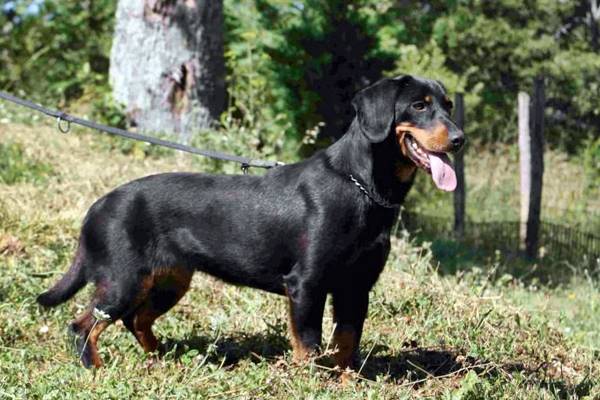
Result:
pixel 372 195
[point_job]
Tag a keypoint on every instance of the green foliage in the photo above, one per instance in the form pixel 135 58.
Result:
pixel 499 47
pixel 59 53
pixel 488 50
pixel 294 65
pixel 312 56
pixel 16 166
pixel 105 109
pixel 251 114
pixel 591 163
pixel 329 53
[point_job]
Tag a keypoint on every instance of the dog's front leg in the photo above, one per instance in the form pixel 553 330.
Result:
pixel 351 302
pixel 306 304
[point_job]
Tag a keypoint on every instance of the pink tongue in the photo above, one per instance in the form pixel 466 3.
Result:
pixel 442 172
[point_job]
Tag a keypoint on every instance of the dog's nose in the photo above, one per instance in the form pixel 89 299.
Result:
pixel 457 142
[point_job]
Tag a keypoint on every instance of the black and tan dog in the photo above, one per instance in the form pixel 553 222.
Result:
pixel 305 230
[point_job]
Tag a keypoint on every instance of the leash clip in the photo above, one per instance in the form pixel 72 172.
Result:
pixel 59 119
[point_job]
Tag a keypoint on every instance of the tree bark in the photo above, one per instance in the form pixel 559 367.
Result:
pixel 594 16
pixel 167 64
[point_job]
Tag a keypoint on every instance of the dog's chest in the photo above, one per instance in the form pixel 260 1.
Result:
pixel 372 235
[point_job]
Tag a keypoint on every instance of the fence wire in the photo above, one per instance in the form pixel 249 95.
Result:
pixel 557 242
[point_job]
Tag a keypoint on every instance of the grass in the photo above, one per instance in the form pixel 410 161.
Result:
pixel 476 332
pixel 16 166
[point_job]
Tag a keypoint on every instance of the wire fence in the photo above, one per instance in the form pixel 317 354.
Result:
pixel 557 242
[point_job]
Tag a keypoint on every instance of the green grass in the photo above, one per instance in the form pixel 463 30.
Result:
pixel 476 331
pixel 16 166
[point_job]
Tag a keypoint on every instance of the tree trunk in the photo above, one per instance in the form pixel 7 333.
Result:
pixel 594 16
pixel 167 65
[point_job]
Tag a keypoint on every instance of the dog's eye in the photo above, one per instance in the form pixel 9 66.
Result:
pixel 419 105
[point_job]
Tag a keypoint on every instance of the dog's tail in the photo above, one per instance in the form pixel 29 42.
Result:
pixel 68 285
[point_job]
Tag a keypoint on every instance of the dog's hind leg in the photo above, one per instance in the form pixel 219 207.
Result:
pixel 162 290
pixel 110 302
pixel 85 331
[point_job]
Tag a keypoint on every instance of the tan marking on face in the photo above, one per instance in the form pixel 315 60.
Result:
pixel 434 139
pixel 448 103
pixel 428 99
pixel 400 138
pixel 405 172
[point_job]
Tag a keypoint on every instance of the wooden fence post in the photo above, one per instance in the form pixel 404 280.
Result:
pixel 459 168
pixel 524 164
pixel 531 157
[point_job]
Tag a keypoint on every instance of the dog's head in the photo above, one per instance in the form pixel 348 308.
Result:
pixel 416 113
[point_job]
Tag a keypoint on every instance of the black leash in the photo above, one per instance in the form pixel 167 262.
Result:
pixel 64 117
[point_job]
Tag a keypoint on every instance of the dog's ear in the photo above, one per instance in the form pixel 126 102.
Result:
pixel 375 106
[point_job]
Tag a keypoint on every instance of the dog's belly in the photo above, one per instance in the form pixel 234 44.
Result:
pixel 258 262
pixel 257 277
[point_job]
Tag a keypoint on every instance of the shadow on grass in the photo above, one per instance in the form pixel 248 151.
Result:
pixel 230 350
pixel 416 365
pixel 491 242
pixel 452 257
pixel 411 364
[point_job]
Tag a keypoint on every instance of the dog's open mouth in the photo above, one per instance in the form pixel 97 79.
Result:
pixel 438 165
